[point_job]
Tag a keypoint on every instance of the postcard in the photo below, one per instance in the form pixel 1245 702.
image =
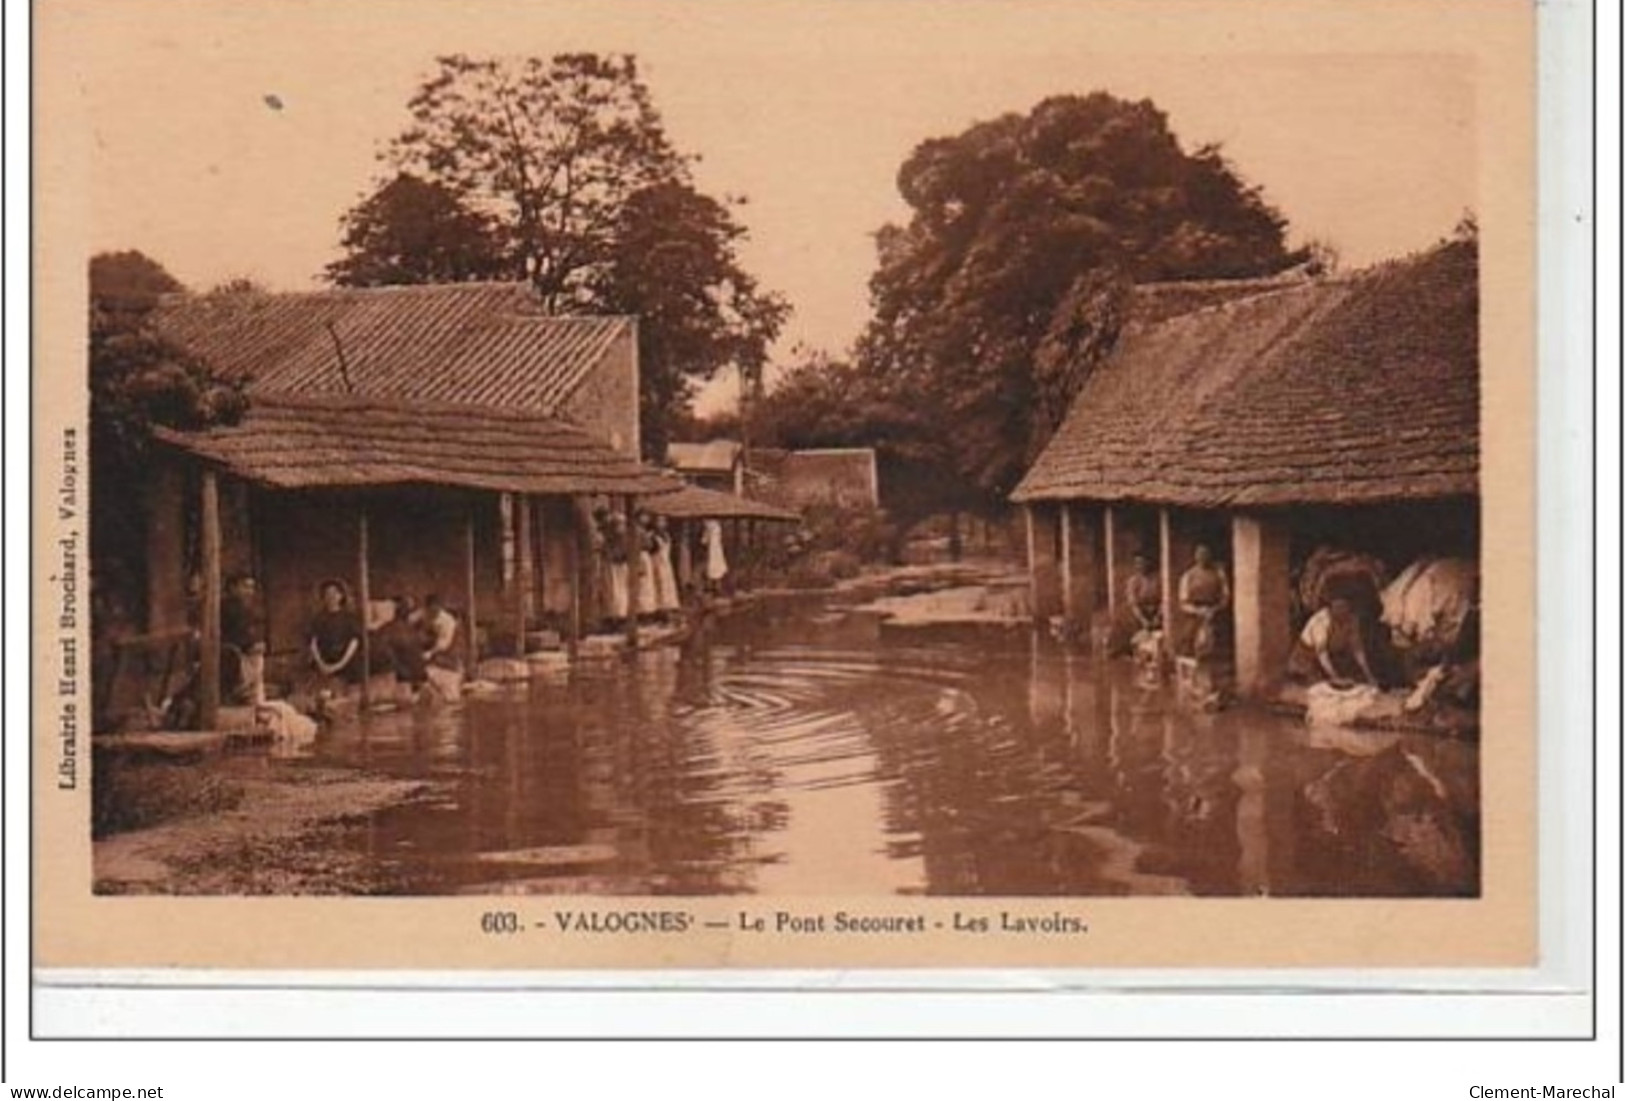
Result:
pixel 731 486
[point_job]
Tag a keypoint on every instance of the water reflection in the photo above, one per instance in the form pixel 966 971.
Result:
pixel 803 749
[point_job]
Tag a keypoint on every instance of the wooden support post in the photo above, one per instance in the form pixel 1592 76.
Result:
pixel 1080 567
pixel 521 514
pixel 209 622
pixel 363 590
pixel 1112 562
pixel 1170 583
pixel 589 597
pixel 634 569
pixel 684 536
pixel 538 555
pixel 1260 554
pixel 1041 561
pixel 1033 586
pixel 1069 587
pixel 572 626
pixel 471 595
pixel 736 559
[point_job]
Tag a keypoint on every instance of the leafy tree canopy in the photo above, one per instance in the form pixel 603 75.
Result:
pixel 1010 279
pixel 138 379
pixel 414 231
pixel 559 171
pixel 126 286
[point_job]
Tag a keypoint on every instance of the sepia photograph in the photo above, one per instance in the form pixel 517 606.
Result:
pixel 557 454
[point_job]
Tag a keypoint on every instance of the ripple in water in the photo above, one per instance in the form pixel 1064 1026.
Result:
pixel 785 755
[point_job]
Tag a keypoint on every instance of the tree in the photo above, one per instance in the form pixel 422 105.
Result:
pixel 687 427
pixel 125 287
pixel 553 148
pixel 672 265
pixel 558 171
pixel 413 231
pixel 1010 279
pixel 138 379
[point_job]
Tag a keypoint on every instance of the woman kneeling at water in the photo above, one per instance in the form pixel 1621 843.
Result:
pixel 1332 648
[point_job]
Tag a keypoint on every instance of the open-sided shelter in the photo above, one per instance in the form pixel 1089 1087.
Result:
pixel 449 439
pixel 1266 418
pixel 693 505
pixel 396 497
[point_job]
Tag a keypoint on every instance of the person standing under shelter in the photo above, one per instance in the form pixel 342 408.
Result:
pixel 440 632
pixel 617 573
pixel 716 558
pixel 645 547
pixel 1204 592
pixel 335 635
pixel 1143 593
pixel 442 655
pixel 668 600
pixel 242 633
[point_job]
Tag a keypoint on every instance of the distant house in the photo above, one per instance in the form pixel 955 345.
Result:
pixel 716 464
pixel 1265 419
pixel 823 476
pixel 449 439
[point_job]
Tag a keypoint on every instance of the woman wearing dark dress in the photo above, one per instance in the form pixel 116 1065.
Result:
pixel 335 635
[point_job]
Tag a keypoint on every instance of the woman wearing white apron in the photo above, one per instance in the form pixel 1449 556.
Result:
pixel 716 560
pixel 644 543
pixel 615 550
pixel 667 599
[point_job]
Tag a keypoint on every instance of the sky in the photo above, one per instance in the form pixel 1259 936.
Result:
pixel 806 109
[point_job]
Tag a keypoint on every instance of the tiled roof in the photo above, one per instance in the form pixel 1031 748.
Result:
pixel 696 503
pixel 477 343
pixel 1360 389
pixel 342 441
pixel 713 457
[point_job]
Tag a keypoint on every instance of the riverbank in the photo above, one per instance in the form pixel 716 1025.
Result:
pixel 291 829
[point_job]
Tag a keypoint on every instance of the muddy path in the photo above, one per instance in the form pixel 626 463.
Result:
pixel 296 831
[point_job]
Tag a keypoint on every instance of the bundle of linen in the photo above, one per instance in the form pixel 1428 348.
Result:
pixel 1333 571
pixel 1329 705
pixel 291 732
pixel 1426 605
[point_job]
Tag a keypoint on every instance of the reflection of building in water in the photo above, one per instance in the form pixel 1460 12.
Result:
pixel 1265 420
pixel 1401 810
pixel 776 754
